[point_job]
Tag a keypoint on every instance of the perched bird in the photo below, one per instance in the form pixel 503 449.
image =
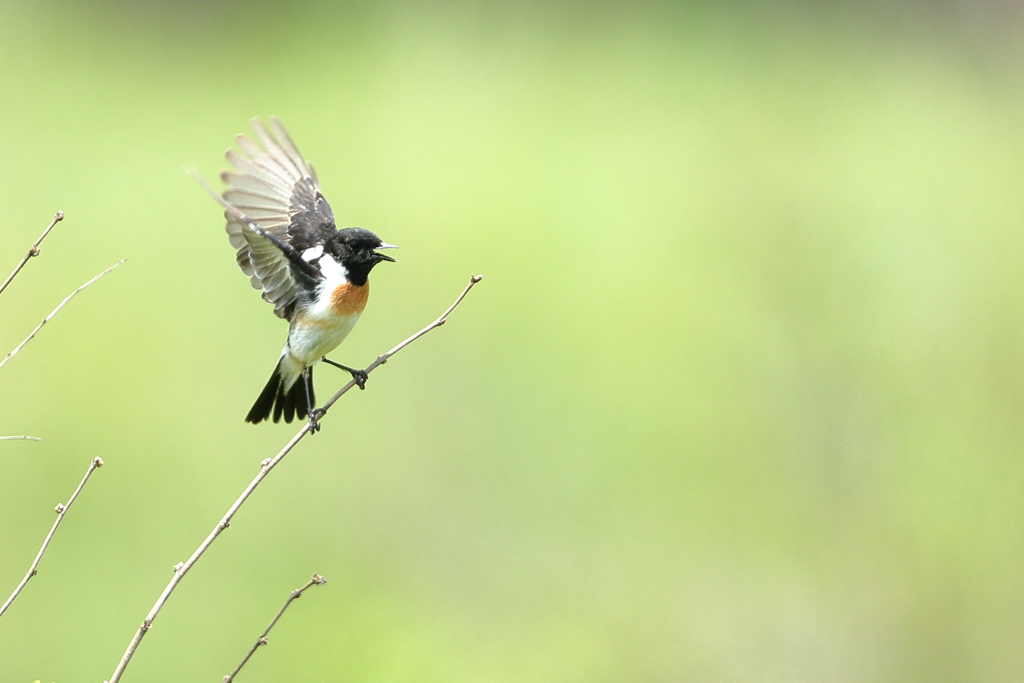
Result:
pixel 315 275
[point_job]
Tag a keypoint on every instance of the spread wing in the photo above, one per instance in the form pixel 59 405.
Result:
pixel 279 192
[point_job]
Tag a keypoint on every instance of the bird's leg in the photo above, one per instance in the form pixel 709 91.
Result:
pixel 359 376
pixel 313 415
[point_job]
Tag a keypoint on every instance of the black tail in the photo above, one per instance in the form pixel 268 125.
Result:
pixel 291 404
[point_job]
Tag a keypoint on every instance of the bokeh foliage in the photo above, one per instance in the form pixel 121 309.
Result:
pixel 739 399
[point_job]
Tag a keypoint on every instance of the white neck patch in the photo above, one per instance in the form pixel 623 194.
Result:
pixel 332 270
pixel 313 253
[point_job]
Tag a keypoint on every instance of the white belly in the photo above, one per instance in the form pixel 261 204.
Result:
pixel 317 329
pixel 315 335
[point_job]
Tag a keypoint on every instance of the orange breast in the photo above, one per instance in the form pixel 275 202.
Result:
pixel 347 299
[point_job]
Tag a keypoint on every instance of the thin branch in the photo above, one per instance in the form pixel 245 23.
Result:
pixel 20 438
pixel 68 298
pixel 61 510
pixel 317 580
pixel 266 466
pixel 33 250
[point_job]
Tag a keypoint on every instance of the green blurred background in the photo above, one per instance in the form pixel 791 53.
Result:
pixel 739 398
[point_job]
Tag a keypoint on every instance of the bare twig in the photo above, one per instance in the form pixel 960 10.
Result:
pixel 317 580
pixel 266 466
pixel 68 298
pixel 33 250
pixel 20 438
pixel 61 510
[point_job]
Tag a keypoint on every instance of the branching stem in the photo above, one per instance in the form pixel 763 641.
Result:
pixel 33 250
pixel 61 305
pixel 61 510
pixel 265 467
pixel 317 580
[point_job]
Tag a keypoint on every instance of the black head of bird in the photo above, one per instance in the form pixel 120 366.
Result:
pixel 354 248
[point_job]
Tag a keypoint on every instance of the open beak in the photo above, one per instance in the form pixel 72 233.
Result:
pixel 385 245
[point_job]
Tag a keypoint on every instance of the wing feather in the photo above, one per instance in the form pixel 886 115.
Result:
pixel 249 169
pixel 278 191
pixel 255 185
pixel 249 200
pixel 288 146
pixel 274 150
pixel 262 160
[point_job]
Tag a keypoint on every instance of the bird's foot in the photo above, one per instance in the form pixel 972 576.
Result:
pixel 314 420
pixel 359 376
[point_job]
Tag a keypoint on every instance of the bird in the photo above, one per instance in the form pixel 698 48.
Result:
pixel 287 242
